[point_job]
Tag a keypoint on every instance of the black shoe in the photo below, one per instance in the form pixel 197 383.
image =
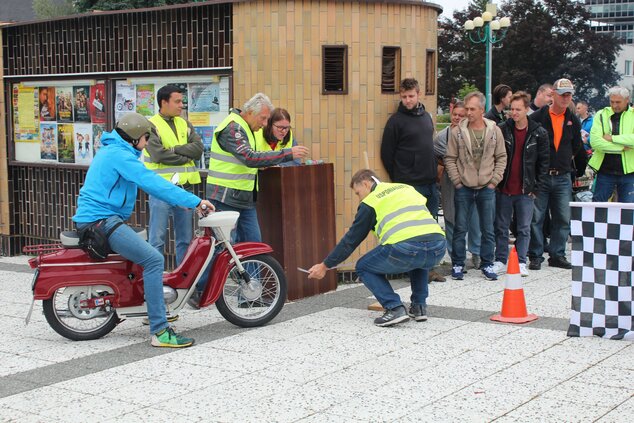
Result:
pixel 418 312
pixel 559 262
pixel 392 317
pixel 256 303
pixel 535 264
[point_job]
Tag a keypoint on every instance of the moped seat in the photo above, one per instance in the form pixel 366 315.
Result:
pixel 70 239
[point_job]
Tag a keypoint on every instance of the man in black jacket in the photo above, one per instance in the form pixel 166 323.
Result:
pixel 407 149
pixel 526 145
pixel 501 100
pixel 564 133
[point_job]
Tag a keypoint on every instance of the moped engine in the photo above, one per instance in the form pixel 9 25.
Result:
pixel 169 294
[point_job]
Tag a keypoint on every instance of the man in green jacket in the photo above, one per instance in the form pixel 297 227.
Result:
pixel 612 140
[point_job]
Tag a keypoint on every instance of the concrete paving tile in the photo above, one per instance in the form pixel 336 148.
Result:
pixel 12 364
pixel 607 376
pixel 355 380
pixel 11 415
pixel 327 418
pixel 437 412
pixel 524 342
pixel 33 418
pixel 146 393
pixel 624 359
pixel 258 412
pixel 543 409
pixel 570 353
pixel 542 371
pixel 309 396
pixel 153 415
pixel 421 388
pixel 208 356
pixel 204 404
pixel 100 409
pixel 40 399
pixel 246 344
pixel 68 350
pixel 95 383
pixel 299 371
pixel 369 407
pixel 29 346
pixel 404 335
pixel 621 414
pixel 594 343
pixel 589 394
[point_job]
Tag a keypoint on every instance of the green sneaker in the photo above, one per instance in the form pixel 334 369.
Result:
pixel 170 319
pixel 170 339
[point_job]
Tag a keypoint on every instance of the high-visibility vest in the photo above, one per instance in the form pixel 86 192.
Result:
pixel 401 213
pixel 225 169
pixel 187 173
pixel 263 145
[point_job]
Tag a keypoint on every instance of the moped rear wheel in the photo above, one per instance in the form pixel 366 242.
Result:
pixel 259 303
pixel 66 315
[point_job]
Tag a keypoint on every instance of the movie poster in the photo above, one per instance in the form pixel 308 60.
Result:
pixel 82 135
pixel 145 99
pixel 204 98
pixel 26 121
pixel 97 104
pixel 184 91
pixel 65 145
pixel 48 141
pixel 81 94
pixel 206 134
pixel 97 132
pixel 125 99
pixel 64 96
pixel 47 104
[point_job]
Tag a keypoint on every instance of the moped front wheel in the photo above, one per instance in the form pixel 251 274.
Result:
pixel 258 302
pixel 67 314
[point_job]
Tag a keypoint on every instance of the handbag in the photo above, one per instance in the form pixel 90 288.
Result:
pixel 93 239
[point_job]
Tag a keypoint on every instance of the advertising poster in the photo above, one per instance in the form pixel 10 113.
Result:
pixel 97 131
pixel 48 141
pixel 82 136
pixel 25 114
pixel 124 100
pixel 97 105
pixel 65 145
pixel 64 96
pixel 81 95
pixel 47 104
pixel 145 99
pixel 204 98
pixel 206 134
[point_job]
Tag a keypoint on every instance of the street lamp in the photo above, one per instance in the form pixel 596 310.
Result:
pixel 487 29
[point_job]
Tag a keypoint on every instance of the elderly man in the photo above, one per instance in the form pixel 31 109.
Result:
pixel 475 162
pixel 612 138
pixel 564 134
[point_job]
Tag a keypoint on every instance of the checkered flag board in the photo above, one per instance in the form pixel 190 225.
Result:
pixel 602 291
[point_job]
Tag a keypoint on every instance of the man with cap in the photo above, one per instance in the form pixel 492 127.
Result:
pixel 564 134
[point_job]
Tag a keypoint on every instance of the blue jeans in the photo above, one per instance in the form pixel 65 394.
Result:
pixel 130 245
pixel 183 219
pixel 556 195
pixel 474 236
pixel 484 200
pixel 430 192
pixel 405 256
pixel 505 205
pixel 605 184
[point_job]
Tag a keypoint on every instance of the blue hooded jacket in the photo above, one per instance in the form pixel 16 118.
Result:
pixel 111 183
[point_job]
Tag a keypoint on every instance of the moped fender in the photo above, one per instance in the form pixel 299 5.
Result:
pixel 223 264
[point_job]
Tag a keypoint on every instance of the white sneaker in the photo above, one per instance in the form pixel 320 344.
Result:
pixel 499 267
pixel 523 270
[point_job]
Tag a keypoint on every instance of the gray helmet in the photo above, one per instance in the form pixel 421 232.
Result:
pixel 134 125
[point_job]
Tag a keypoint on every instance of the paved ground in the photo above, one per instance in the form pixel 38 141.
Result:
pixel 322 360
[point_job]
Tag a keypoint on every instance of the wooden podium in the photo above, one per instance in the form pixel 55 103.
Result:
pixel 296 211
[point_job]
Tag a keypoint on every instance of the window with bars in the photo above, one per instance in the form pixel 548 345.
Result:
pixel 335 69
pixel 390 69
pixel 430 72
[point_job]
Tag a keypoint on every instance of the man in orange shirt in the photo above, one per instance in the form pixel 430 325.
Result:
pixel 564 133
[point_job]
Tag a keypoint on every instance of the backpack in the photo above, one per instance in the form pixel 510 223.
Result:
pixel 93 239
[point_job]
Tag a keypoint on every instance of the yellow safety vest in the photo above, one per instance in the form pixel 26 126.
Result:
pixel 401 213
pixel 187 173
pixel 263 145
pixel 225 169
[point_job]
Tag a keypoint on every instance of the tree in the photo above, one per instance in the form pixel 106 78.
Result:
pixel 88 5
pixel 547 40
pixel 45 9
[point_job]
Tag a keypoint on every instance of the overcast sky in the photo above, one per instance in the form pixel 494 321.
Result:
pixel 450 5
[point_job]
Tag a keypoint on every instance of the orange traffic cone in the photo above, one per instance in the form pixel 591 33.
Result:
pixel 513 304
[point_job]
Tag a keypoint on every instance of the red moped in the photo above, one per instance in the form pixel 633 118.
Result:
pixel 85 299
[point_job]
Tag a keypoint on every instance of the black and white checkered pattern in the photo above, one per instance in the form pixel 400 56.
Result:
pixel 602 265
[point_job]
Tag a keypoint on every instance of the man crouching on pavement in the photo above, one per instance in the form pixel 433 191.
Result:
pixel 410 240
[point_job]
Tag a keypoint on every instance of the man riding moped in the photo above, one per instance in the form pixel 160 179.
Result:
pixel 109 194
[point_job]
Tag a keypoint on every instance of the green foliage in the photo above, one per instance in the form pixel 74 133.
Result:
pixel 88 5
pixel 45 9
pixel 444 118
pixel 547 40
pixel 466 89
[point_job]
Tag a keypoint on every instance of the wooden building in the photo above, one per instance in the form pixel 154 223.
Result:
pixel 335 65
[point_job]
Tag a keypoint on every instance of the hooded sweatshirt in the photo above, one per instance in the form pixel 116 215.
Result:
pixel 407 148
pixel 113 179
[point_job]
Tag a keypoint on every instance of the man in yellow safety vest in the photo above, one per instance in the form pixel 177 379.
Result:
pixel 172 154
pixel 410 240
